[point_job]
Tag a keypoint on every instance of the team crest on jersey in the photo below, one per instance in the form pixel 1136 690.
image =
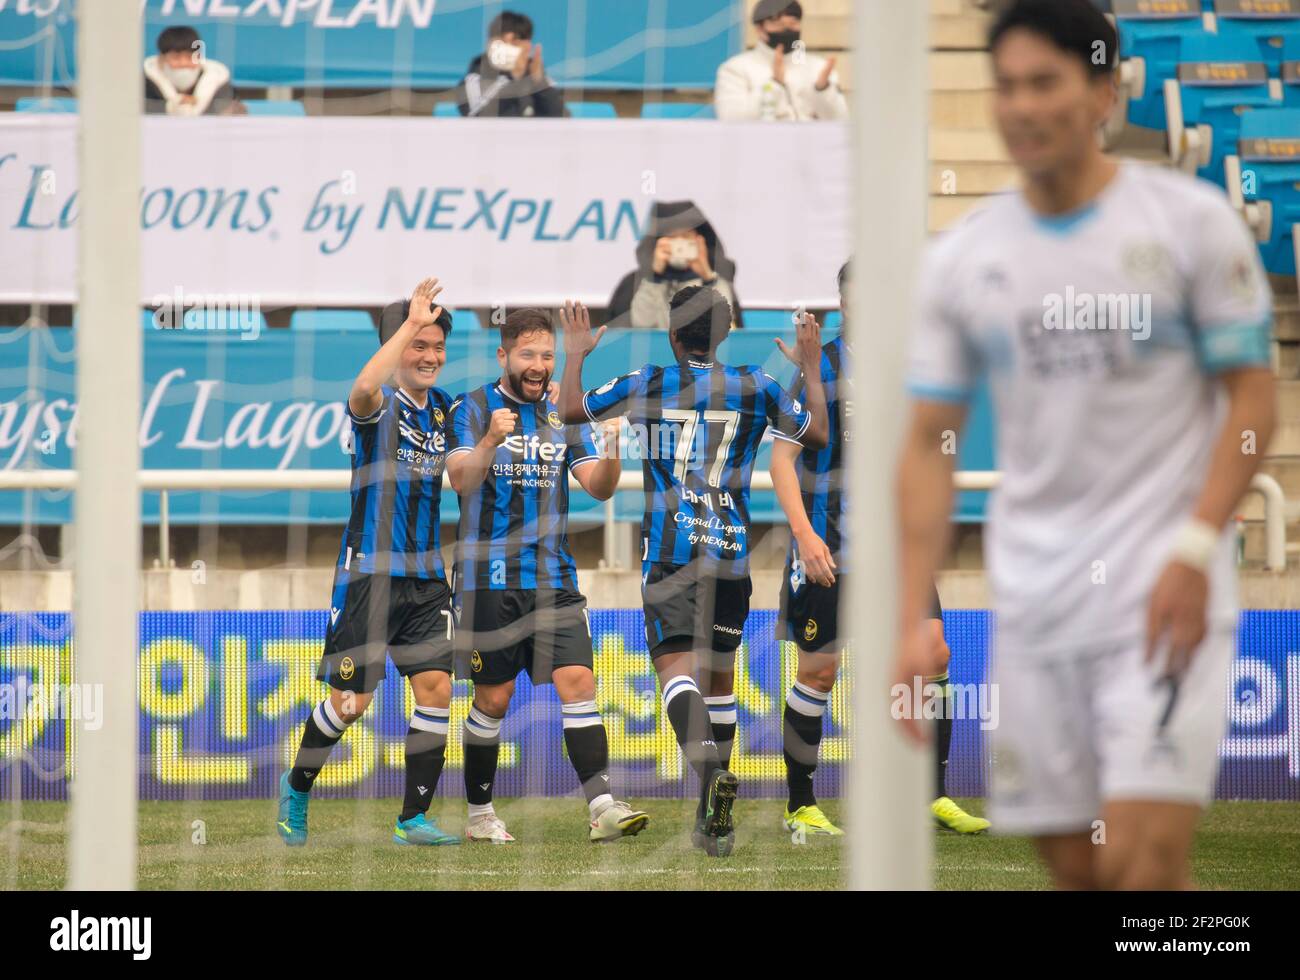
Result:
pixel 554 419
pixel 438 416
pixel 810 630
pixel 347 667
pixel 1146 261
pixel 475 662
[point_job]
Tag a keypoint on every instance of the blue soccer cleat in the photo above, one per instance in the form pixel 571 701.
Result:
pixel 291 821
pixel 421 830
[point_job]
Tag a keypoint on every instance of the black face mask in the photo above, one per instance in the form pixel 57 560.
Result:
pixel 783 39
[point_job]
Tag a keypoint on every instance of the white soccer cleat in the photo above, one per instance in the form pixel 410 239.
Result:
pixel 488 829
pixel 618 820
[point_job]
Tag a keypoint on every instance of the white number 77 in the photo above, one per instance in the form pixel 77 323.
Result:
pixel 690 421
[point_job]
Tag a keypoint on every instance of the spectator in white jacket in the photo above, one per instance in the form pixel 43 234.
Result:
pixel 778 79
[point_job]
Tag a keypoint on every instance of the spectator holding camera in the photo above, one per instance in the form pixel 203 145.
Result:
pixel 681 249
pixel 180 81
pixel 777 79
pixel 509 78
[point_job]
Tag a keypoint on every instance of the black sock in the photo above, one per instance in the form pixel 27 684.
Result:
pixel 689 716
pixel 943 743
pixel 482 746
pixel 588 745
pixel 804 708
pixel 722 716
pixel 426 751
pixel 320 734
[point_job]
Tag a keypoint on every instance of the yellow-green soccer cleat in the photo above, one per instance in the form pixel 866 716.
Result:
pixel 618 820
pixel 811 821
pixel 950 816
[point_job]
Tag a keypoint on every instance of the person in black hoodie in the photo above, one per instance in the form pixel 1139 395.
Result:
pixel 679 249
pixel 509 78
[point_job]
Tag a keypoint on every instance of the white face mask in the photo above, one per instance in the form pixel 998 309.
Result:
pixel 684 252
pixel 503 56
pixel 182 78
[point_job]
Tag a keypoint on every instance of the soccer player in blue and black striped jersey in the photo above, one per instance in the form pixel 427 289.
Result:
pixel 518 606
pixel 699 425
pixel 390 592
pixel 809 486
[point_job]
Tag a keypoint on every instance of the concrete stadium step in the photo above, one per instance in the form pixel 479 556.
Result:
pixel 969 177
pixel 960 71
pixel 961 109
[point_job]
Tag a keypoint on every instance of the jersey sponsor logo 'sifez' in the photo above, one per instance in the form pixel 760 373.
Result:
pixel 534 447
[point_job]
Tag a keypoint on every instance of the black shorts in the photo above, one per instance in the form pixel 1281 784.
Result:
pixel 376 616
pixel 687 607
pixel 500 632
pixel 812 612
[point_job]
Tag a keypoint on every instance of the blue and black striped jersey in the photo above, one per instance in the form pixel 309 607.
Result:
pixel 699 426
pixel 398 455
pixel 821 471
pixel 514 527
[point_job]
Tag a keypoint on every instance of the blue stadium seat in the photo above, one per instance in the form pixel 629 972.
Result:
pixel 1157 39
pixel 677 110
pixel 1291 73
pixel 769 319
pixel 274 107
pixel 1270 165
pixel 59 104
pixel 343 321
pixel 1269 34
pixel 446 110
pixel 464 320
pixel 1219 80
pixel 592 110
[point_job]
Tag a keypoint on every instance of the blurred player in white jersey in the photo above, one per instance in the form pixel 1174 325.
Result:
pixel 1123 319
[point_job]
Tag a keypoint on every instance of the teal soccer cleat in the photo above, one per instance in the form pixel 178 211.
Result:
pixel 292 819
pixel 421 830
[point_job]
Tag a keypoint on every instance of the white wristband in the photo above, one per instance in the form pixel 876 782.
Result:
pixel 1195 544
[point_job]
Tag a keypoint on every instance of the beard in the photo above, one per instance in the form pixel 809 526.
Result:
pixel 517 384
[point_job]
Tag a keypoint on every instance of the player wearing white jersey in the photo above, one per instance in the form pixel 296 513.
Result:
pixel 1122 317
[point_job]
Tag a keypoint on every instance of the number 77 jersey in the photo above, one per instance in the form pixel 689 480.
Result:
pixel 698 426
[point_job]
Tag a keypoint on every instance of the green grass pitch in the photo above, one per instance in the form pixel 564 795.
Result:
pixel 1241 846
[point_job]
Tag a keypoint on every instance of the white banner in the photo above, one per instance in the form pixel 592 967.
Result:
pixel 354 211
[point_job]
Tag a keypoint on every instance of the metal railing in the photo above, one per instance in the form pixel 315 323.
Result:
pixel 166 481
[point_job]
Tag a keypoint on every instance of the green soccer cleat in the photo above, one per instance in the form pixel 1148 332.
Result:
pixel 616 821
pixel 423 831
pixel 715 831
pixel 291 821
pixel 809 821
pixel 950 816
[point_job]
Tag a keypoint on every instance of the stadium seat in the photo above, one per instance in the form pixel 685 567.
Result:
pixel 592 110
pixel 1269 34
pixel 1266 183
pixel 1151 44
pixel 769 319
pixel 464 320
pixel 59 104
pixel 677 110
pixel 1219 80
pixel 1291 73
pixel 274 107
pixel 342 321
pixel 446 110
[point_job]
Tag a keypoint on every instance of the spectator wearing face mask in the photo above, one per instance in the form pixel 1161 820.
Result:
pixel 777 79
pixel 509 78
pixel 680 249
pixel 180 81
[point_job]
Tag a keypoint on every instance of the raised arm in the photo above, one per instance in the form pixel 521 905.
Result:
pixel 467 467
pixel 807 354
pixel 818 563
pixel 579 341
pixel 600 479
pixel 366 395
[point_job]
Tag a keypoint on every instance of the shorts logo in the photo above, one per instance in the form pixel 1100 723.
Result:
pixel 476 662
pixel 810 630
pixel 554 419
pixel 347 668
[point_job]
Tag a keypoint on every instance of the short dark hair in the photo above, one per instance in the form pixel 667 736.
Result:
pixel 700 318
pixel 395 313
pixel 1076 27
pixel 509 22
pixel 178 39
pixel 520 322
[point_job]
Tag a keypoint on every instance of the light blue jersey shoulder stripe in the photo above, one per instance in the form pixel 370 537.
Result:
pixel 1236 345
pixel 939 393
